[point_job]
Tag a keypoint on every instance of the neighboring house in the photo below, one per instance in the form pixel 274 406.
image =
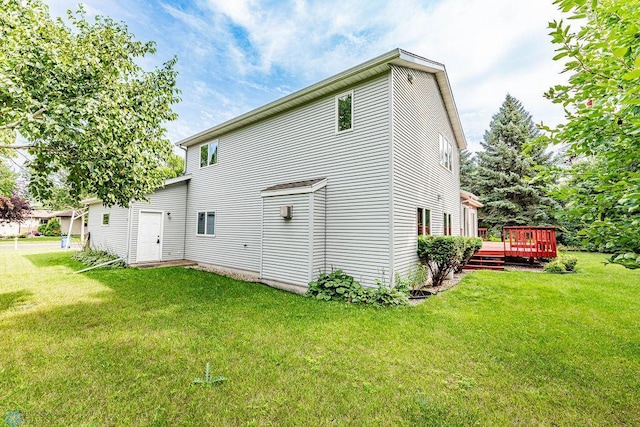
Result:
pixel 64 217
pixel 339 175
pixel 36 218
pixel 469 204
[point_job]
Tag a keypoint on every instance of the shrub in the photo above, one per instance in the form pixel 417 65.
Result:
pixel 563 264
pixel 628 260
pixel 556 266
pixel 91 257
pixel 444 254
pixel 51 228
pixel 338 286
pixel 569 262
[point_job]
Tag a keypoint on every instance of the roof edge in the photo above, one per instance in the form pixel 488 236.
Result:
pixel 396 56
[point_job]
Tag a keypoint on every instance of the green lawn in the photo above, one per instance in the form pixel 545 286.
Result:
pixel 122 347
pixel 37 240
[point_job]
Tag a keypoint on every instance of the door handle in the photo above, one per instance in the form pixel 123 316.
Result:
pixel 158 242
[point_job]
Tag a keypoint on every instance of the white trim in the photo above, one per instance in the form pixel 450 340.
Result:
pixel 295 190
pixel 206 216
pixel 140 212
pixel 130 222
pixel 261 238
pixel 108 219
pixel 177 179
pixel 337 109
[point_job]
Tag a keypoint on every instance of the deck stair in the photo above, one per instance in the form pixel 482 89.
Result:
pixel 486 259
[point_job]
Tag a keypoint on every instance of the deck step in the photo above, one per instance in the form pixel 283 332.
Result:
pixel 486 260
pixel 484 267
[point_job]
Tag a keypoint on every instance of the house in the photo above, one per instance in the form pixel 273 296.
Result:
pixel 339 175
pixel 36 218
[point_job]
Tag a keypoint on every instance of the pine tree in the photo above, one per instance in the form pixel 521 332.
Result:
pixel 468 170
pixel 506 177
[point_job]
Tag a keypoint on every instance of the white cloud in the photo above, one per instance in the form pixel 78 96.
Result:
pixel 243 53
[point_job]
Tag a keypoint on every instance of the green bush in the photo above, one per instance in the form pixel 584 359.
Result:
pixel 91 257
pixel 51 228
pixel 629 260
pixel 563 264
pixel 569 262
pixel 444 254
pixel 338 286
pixel 556 266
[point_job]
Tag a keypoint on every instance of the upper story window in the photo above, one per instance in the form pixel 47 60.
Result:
pixel 105 219
pixel 209 153
pixel 446 153
pixel 344 112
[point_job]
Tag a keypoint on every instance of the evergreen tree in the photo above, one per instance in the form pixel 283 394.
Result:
pixel 506 178
pixel 468 168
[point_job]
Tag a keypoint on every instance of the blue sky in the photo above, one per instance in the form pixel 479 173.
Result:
pixel 236 55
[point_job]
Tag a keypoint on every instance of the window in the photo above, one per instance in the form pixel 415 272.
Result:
pixel 446 153
pixel 424 221
pixel 344 112
pixel 447 224
pixel 105 219
pixel 209 153
pixel 206 223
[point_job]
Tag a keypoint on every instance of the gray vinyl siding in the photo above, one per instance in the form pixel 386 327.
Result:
pixel 113 237
pixel 173 199
pixel 419 116
pixel 319 232
pixel 296 145
pixel 286 251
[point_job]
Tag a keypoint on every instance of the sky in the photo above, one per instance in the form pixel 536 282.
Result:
pixel 237 55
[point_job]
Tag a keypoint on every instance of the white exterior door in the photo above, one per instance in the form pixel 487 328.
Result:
pixel 149 236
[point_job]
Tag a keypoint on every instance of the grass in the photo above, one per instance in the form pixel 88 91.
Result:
pixel 122 347
pixel 36 240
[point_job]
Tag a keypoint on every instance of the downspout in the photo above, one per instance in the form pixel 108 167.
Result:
pixel 391 180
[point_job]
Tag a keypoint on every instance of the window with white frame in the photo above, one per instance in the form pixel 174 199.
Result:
pixel 424 222
pixel 105 219
pixel 206 223
pixel 209 153
pixel 446 153
pixel 344 112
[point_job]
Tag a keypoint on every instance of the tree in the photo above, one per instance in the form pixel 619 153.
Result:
pixel 602 109
pixel 78 96
pixel 7 180
pixel 173 167
pixel 14 208
pixel 468 171
pixel 507 179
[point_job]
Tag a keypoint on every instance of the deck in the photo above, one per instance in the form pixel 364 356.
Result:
pixel 520 243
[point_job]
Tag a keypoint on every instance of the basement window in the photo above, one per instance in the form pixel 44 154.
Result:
pixel 105 219
pixel 209 153
pixel 344 112
pixel 206 223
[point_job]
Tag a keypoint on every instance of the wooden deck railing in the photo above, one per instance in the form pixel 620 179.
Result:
pixel 483 233
pixel 529 242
